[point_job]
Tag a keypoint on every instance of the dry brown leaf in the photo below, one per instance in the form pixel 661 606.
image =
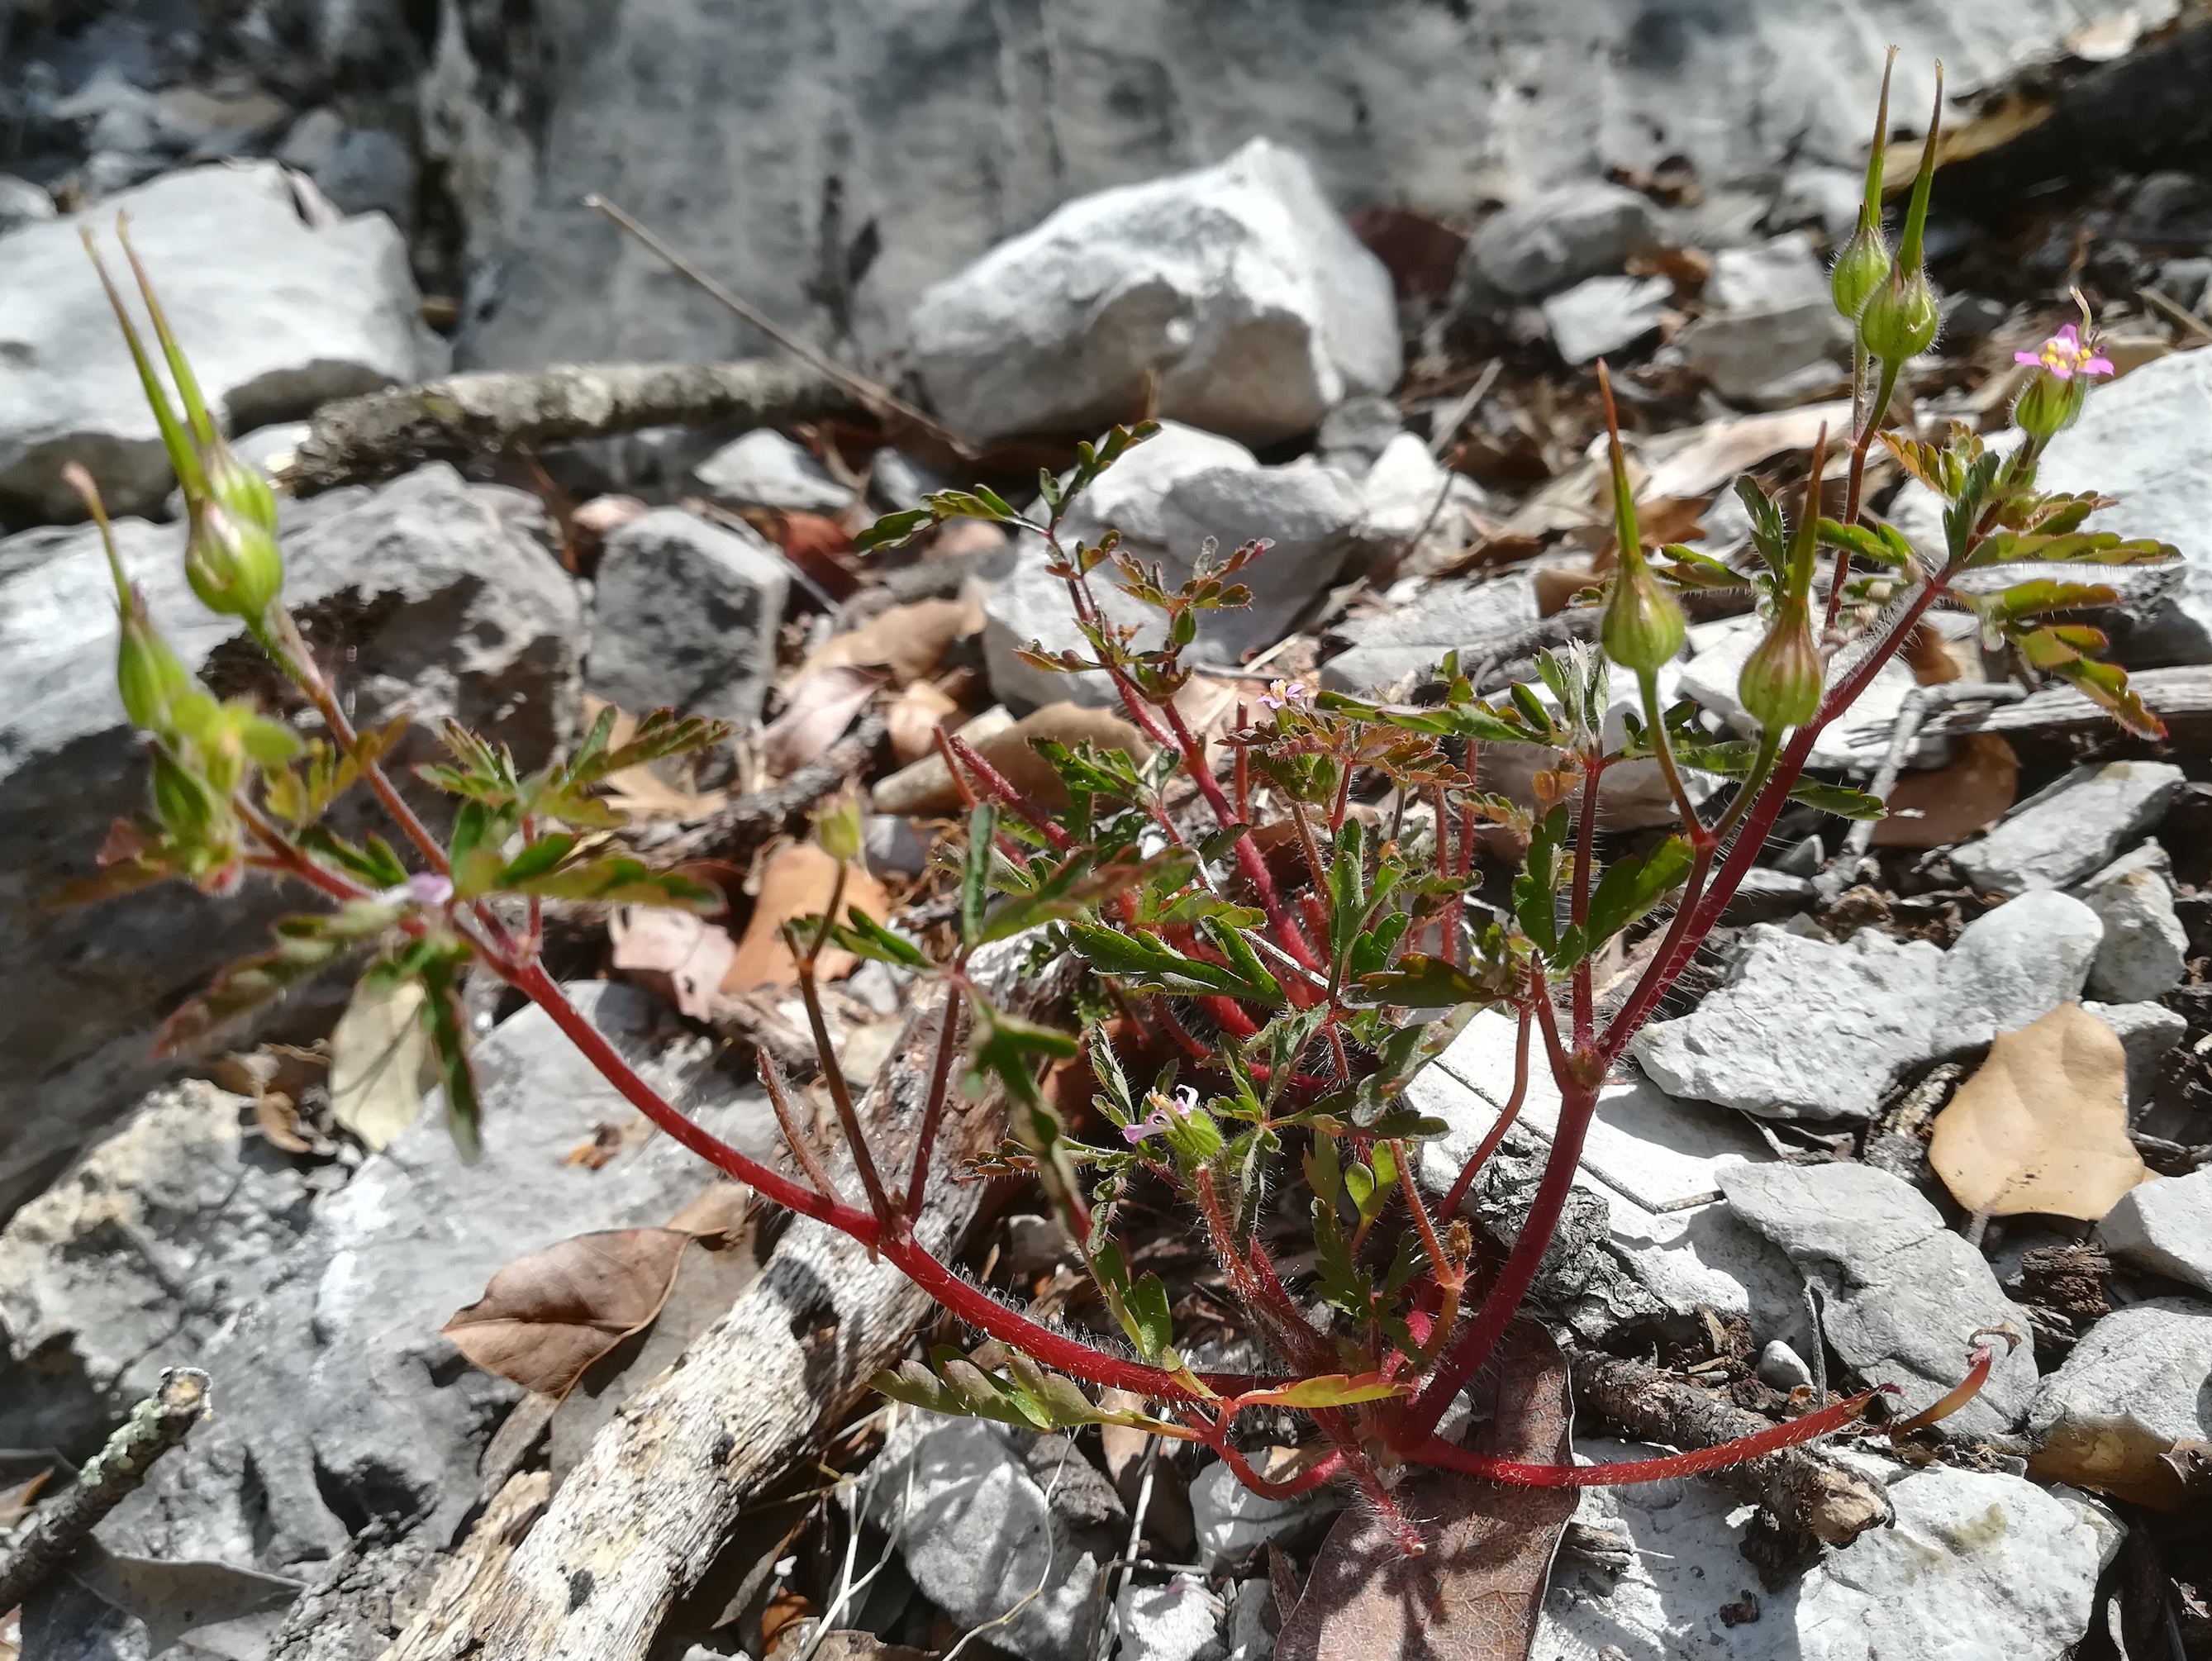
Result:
pixel 1476 1593
pixel 545 1319
pixel 797 882
pixel 382 1061
pixel 717 1212
pixel 927 786
pixel 908 640
pixel 822 706
pixel 276 1115
pixel 1723 449
pixel 1945 807
pixel 1557 586
pixel 2042 1126
pixel 678 953
pixel 16 1502
pixel 911 719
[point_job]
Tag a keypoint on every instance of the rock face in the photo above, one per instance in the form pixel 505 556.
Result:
pixel 437 600
pixel 2146 439
pixel 1978 1568
pixel 966 1499
pixel 909 141
pixel 2070 828
pixel 1452 617
pixel 1166 497
pixel 2015 965
pixel 2164 1226
pixel 277 316
pixel 1237 286
pixel 1902 1295
pixel 183 1238
pixel 684 616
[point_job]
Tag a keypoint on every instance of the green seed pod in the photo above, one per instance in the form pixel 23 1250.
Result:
pixel 239 488
pixel 233 565
pixel 1643 626
pixel 1783 680
pixel 1859 270
pixel 837 828
pixel 146 672
pixel 182 797
pixel 2049 405
pixel 1901 317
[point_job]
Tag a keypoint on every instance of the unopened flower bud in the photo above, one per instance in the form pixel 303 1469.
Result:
pixel 147 672
pixel 1900 318
pixel 234 564
pixel 1859 270
pixel 1643 627
pixel 1783 678
pixel 837 828
pixel 2049 405
pixel 181 797
pixel 240 488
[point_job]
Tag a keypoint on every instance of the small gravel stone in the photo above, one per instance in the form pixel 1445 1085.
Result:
pixel 2013 966
pixel 2146 1032
pixel 1783 1367
pixel 767 470
pixel 2073 827
pixel 2164 1226
pixel 2145 948
pixel 2137 1384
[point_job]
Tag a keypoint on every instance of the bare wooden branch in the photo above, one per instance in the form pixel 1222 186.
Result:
pixel 2181 698
pixel 61 1525
pixel 474 1569
pixel 356 439
pixel 1806 1492
pixel 733 830
pixel 641 1517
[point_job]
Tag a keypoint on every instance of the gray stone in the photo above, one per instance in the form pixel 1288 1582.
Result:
pixel 1237 286
pixel 2070 828
pixel 684 616
pixel 1353 434
pixel 897 482
pixel 2139 1380
pixel 767 470
pixel 979 1535
pixel 1229 1520
pixel 433 596
pixel 2146 439
pixel 1770 358
pixel 22 203
pixel 1603 315
pixel 1828 196
pixel 1251 1609
pixel 1802 1029
pixel 1783 1368
pixel 1552 240
pixel 1458 614
pixel 310 140
pixel 924 135
pixel 180 1238
pixel 369 171
pixel 1977 1568
pixel 1902 1295
pixel 2146 949
pixel 2164 1226
pixel 277 317
pixel 2147 1031
pixel 1166 497
pixel 1769 896
pixel 2014 965
pixel 1784 272
pixel 1180 1620
pixel 1406 494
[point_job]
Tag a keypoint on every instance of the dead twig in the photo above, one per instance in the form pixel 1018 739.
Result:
pixel 734 830
pixel 356 439
pixel 59 1527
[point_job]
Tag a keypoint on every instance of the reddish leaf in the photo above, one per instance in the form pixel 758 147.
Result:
pixel 545 1319
pixel 1475 1595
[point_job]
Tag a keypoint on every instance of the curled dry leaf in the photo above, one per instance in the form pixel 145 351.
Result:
pixel 382 1061
pixel 1720 450
pixel 909 641
pixel 717 1212
pixel 544 1318
pixel 678 954
pixel 639 791
pixel 911 719
pixel 1475 1595
pixel 797 882
pixel 2042 1125
pixel 1952 804
pixel 823 705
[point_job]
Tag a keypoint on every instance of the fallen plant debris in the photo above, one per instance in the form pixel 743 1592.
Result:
pixel 544 1320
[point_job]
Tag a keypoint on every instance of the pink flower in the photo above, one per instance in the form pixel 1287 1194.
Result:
pixel 1159 1120
pixel 423 888
pixel 2065 356
pixel 1286 695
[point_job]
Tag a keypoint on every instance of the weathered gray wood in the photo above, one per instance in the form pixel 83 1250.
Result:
pixel 2180 697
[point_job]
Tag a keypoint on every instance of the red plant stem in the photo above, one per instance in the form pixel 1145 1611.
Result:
pixel 292 859
pixel 1241 778
pixel 773 1079
pixel 1447 867
pixel 1291 1487
pixel 1231 1013
pixel 940 1075
pixel 1190 1046
pixel 967 1303
pixel 1249 859
pixel 1300 1344
pixel 1621 1472
pixel 1343 798
pixel 1696 918
pixel 1400 1528
pixel 999 786
pixel 1409 1179
pixel 1956 1397
pixel 1585 833
pixel 1456 1195
pixel 841 1094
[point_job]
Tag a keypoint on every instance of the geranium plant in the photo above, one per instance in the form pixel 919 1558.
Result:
pixel 1294 1007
